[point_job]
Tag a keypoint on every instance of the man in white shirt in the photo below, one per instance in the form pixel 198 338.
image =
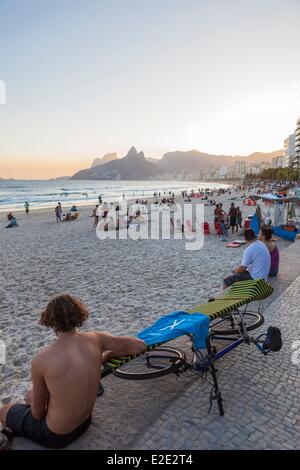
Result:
pixel 256 261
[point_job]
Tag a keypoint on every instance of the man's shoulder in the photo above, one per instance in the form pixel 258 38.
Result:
pixel 93 336
pixel 254 245
pixel 42 356
pixel 88 334
pixel 261 245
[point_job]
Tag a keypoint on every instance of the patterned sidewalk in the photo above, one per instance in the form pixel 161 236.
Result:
pixel 261 396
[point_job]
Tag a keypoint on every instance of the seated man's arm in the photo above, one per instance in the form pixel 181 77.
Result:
pixel 114 346
pixel 39 390
pixel 240 269
pixel 245 263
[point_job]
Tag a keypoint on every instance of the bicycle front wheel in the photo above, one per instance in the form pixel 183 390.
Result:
pixel 153 364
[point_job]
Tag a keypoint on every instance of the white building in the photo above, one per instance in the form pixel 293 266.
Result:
pixel 277 162
pixel 240 168
pixel 296 161
pixel 289 151
pixel 223 171
pixel 254 169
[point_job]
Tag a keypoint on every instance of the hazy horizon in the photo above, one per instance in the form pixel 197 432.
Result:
pixel 88 78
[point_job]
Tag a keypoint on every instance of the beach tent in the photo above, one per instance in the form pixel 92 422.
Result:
pixel 278 230
pixel 278 200
pixel 273 198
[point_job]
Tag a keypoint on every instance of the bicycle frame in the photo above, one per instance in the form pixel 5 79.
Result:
pixel 207 363
pixel 235 341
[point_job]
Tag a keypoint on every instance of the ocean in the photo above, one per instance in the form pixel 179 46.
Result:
pixel 46 193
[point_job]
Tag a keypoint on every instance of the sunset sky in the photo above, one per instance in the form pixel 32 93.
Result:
pixel 87 77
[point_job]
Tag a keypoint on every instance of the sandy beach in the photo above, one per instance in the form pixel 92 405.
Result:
pixel 126 284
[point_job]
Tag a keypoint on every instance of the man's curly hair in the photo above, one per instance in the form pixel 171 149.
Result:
pixel 64 313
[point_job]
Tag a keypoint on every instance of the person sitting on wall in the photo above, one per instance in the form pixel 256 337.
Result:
pixel 265 235
pixel 255 264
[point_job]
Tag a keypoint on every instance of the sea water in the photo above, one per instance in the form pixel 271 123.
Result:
pixel 47 193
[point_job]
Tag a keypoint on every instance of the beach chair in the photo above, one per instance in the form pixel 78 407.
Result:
pixel 228 322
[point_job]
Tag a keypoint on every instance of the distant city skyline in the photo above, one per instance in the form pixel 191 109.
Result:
pixel 83 79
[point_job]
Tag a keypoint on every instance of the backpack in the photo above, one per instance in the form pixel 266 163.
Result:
pixel 273 341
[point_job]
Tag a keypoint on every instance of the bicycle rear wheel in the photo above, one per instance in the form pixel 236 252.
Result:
pixel 228 325
pixel 153 364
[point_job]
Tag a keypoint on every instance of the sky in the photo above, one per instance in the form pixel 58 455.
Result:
pixel 81 78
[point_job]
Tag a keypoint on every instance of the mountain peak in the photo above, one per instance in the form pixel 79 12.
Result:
pixel 132 167
pixel 132 152
pixel 141 155
pixel 108 157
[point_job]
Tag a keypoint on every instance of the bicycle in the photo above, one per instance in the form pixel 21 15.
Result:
pixel 161 360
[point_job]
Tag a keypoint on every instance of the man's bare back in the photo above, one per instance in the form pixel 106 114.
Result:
pixel 65 377
pixel 71 368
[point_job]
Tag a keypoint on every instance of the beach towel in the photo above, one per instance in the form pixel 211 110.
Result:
pixel 233 245
pixel 177 324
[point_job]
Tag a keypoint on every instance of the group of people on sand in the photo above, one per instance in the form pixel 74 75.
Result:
pixel 72 214
pixel 11 219
pixel 233 219
pixel 101 213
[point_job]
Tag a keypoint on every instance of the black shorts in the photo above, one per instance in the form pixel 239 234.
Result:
pixel 244 276
pixel 22 424
pixel 232 221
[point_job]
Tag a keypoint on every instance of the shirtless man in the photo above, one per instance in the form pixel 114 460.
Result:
pixel 65 377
